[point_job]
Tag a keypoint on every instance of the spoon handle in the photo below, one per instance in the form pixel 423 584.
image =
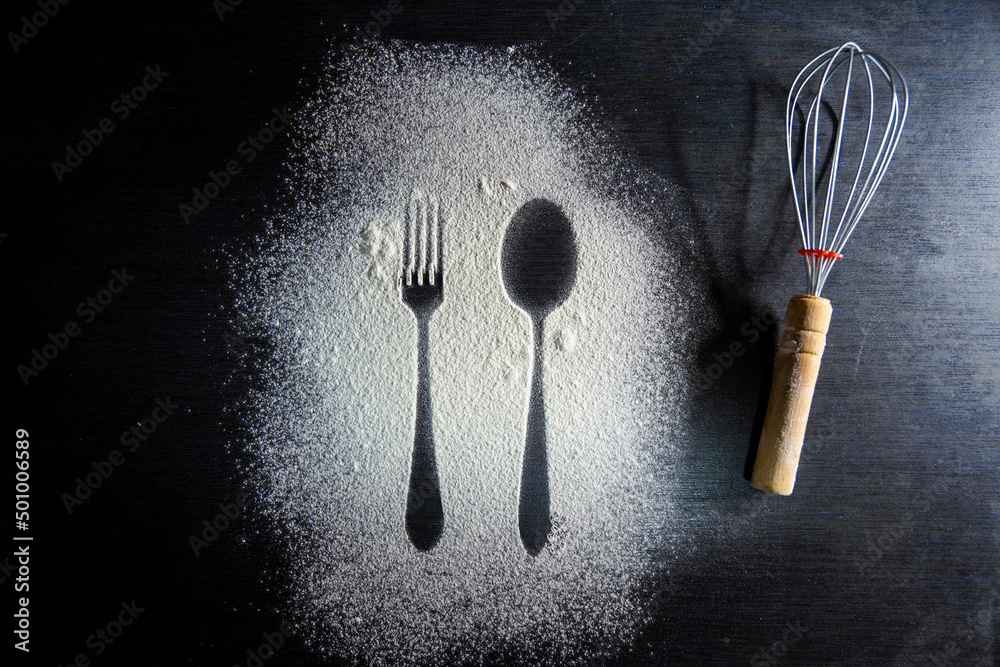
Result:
pixel 424 513
pixel 534 522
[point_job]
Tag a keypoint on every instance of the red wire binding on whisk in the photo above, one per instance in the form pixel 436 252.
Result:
pixel 820 252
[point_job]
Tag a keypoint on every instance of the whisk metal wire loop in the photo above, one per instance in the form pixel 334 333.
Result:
pixel 820 248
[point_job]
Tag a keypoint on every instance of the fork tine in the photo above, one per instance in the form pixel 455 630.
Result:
pixel 410 239
pixel 422 206
pixel 404 246
pixel 434 269
pixel 421 255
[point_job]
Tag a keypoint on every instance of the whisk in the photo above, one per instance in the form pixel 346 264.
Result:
pixel 827 217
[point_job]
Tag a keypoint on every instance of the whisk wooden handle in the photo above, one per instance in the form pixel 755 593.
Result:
pixel 803 338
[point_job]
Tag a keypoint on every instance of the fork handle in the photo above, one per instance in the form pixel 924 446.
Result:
pixel 424 512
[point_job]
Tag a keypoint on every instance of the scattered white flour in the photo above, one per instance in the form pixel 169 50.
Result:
pixel 485 131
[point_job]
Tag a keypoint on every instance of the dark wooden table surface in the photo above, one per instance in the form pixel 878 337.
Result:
pixel 888 553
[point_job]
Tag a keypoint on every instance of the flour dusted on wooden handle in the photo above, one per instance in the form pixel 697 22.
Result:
pixel 803 338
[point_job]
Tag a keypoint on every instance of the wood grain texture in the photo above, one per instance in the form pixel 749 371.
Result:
pixel 803 337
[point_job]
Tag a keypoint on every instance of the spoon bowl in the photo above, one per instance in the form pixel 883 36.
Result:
pixel 538 258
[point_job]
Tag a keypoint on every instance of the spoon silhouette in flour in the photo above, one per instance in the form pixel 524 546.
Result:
pixel 538 265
